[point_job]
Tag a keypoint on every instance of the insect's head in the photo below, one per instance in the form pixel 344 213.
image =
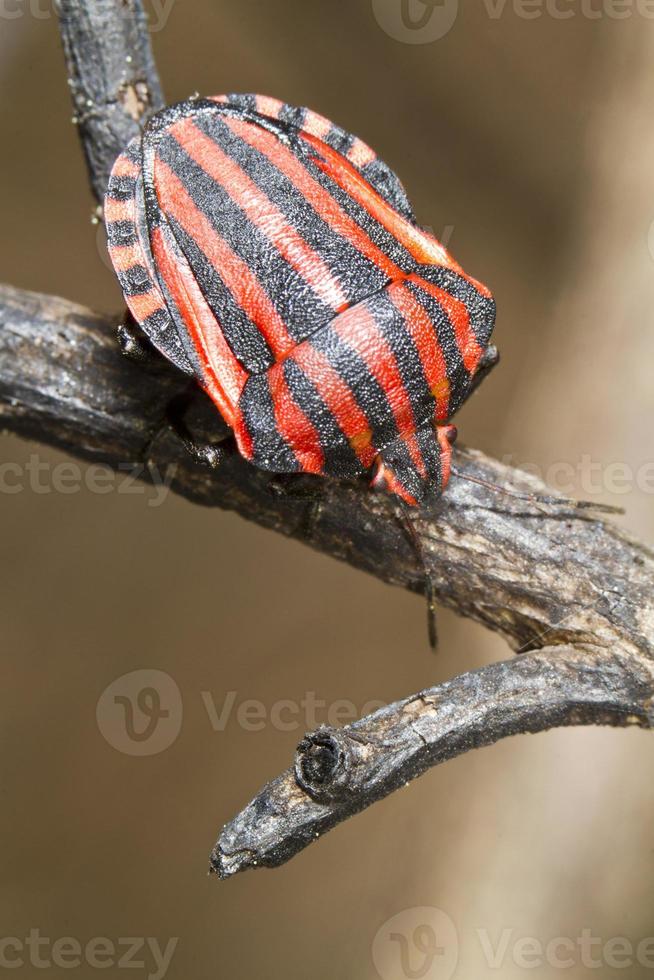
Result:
pixel 416 466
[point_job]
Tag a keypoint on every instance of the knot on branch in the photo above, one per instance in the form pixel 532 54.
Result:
pixel 322 765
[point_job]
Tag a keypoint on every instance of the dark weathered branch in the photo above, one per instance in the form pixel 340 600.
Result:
pixel 578 591
pixel 339 772
pixel 543 577
pixel 113 80
pixel 540 576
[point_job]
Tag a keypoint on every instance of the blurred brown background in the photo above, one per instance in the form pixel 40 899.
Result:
pixel 530 141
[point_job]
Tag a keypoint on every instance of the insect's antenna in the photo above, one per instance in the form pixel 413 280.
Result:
pixel 406 520
pixel 539 498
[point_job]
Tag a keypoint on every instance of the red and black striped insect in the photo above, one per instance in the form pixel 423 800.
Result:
pixel 276 258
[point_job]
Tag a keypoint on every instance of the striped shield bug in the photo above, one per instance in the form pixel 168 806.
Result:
pixel 276 259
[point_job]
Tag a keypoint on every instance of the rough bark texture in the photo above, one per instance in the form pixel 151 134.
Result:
pixel 571 592
pixel 112 77
pixel 538 575
pixel 338 772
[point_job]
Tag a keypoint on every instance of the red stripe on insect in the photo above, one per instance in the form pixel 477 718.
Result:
pixel 124 257
pixel 425 338
pixel 358 329
pixel 314 193
pixel 293 424
pixel 146 304
pixel 124 167
pixel 268 106
pixel 459 316
pixel 423 247
pixel 223 376
pixel 339 400
pixel 261 211
pixel 118 210
pixel 316 124
pixel 360 154
pixel 239 279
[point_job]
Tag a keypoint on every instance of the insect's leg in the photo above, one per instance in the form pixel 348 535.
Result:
pixel 405 518
pixel 209 453
pixel 133 342
pixel 288 485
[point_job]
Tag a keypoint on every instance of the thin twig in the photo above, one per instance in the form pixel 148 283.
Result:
pixel 112 77
pixel 338 772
